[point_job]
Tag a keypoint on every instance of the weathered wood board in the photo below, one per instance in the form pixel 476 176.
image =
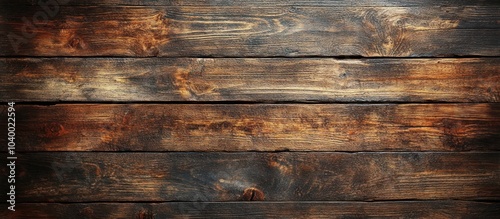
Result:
pixel 286 176
pixel 251 31
pixel 397 209
pixel 257 127
pixel 250 79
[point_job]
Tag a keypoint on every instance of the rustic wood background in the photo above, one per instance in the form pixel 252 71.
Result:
pixel 253 108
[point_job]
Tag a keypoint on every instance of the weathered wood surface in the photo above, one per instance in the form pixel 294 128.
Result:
pixel 397 209
pixel 286 176
pixel 257 31
pixel 255 127
pixel 322 3
pixel 208 63
pixel 248 79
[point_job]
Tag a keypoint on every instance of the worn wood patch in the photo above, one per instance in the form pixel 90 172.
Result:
pixel 269 127
pixel 258 31
pixel 398 209
pixel 286 176
pixel 236 79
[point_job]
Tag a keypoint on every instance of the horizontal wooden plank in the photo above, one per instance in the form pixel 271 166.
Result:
pixel 431 209
pixel 336 3
pixel 247 79
pixel 257 31
pixel 286 176
pixel 268 127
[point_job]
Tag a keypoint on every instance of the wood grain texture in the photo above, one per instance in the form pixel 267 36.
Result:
pixel 414 209
pixel 249 79
pixel 252 108
pixel 255 127
pixel 322 3
pixel 257 31
pixel 286 176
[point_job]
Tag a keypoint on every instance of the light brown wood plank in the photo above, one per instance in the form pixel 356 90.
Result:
pixel 269 127
pixel 248 79
pixel 258 31
pixel 286 176
pixel 416 209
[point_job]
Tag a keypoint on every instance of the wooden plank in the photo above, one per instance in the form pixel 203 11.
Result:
pixel 235 79
pixel 416 209
pixel 205 3
pixel 257 31
pixel 286 176
pixel 268 127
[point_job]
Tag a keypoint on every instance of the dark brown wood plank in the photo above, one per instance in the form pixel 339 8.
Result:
pixel 416 209
pixel 230 79
pixel 269 127
pixel 286 176
pixel 259 31
pixel 336 3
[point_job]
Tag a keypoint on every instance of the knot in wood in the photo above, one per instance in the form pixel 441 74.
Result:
pixel 253 194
